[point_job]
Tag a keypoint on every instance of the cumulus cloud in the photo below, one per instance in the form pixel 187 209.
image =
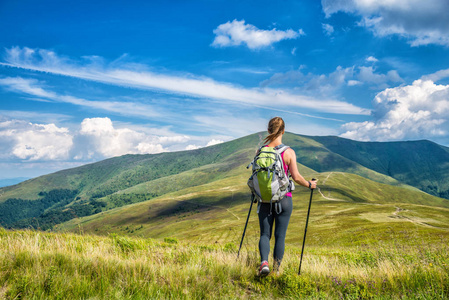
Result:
pixel 236 33
pixel 28 141
pixel 125 75
pixel 371 59
pixel 214 142
pixel 416 111
pixel 421 22
pixel 192 147
pixel 95 139
pixel 98 138
pixel 210 143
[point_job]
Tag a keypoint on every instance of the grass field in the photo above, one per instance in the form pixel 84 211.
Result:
pixel 37 265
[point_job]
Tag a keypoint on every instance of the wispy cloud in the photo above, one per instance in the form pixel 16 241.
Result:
pixel 34 116
pixel 323 84
pixel 328 29
pixel 441 74
pixel 123 75
pixel 34 87
pixel 236 33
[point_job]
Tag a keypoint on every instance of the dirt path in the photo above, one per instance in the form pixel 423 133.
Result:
pixel 396 215
pixel 328 198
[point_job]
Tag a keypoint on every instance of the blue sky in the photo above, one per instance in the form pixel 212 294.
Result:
pixel 82 81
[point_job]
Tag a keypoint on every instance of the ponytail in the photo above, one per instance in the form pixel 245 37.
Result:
pixel 276 127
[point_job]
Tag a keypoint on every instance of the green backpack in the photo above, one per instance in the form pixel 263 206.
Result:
pixel 268 182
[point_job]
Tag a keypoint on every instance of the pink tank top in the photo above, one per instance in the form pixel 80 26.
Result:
pixel 289 194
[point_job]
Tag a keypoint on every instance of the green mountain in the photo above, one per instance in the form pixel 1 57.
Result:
pixel 422 164
pixel 113 183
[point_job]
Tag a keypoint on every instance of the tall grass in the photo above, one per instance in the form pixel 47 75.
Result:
pixel 38 265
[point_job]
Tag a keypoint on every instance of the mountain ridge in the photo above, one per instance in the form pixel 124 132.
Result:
pixel 128 179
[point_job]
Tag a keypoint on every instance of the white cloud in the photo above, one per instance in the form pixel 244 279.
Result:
pixel 236 33
pixel 368 75
pixel 98 136
pixel 354 82
pixel 125 75
pixel 294 51
pixel 210 143
pixel 311 82
pixel 328 29
pixel 192 147
pixel 442 74
pixel 34 87
pixel 33 116
pixel 416 111
pixel 214 142
pixel 371 59
pixel 95 139
pixel 421 22
pixel 28 141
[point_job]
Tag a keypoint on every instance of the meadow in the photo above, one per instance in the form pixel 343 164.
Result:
pixel 42 265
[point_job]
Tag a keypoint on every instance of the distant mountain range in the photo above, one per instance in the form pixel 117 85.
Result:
pixel 91 189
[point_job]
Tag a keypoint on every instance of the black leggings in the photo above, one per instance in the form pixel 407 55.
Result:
pixel 266 225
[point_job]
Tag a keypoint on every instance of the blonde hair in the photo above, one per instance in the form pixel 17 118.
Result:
pixel 276 127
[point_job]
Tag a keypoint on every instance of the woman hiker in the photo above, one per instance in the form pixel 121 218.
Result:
pixel 267 214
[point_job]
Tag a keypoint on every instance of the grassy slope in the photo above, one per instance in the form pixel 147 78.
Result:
pixel 215 207
pixel 38 265
pixel 215 212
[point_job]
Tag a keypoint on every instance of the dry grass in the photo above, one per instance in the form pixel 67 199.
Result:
pixel 37 265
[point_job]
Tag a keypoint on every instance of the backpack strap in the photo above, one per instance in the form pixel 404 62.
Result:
pixel 258 151
pixel 281 148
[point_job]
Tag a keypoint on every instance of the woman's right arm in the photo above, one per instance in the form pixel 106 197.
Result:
pixel 290 160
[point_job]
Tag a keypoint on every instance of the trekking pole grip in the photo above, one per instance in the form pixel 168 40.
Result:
pixel 310 184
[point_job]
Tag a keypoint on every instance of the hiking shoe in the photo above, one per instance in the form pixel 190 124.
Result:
pixel 264 270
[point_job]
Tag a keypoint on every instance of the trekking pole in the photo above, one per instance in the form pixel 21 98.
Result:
pixel 246 224
pixel 305 230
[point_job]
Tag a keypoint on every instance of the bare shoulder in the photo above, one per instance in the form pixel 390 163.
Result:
pixel 290 152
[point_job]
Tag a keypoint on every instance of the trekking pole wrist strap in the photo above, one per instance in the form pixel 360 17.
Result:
pixel 310 184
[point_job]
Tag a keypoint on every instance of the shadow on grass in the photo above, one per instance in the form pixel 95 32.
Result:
pixel 345 193
pixel 201 204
